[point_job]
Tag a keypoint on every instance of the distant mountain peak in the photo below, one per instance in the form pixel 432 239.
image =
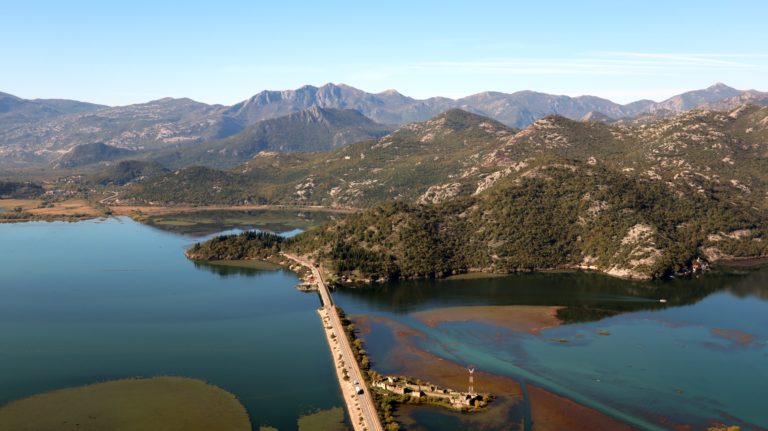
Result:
pixel 390 92
pixel 719 86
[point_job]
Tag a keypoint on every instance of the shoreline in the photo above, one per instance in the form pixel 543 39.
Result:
pixel 741 262
pixel 31 210
pixel 82 209
pixel 139 213
pixel 149 210
pixel 749 262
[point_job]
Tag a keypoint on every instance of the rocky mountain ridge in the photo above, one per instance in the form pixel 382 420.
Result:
pixel 36 132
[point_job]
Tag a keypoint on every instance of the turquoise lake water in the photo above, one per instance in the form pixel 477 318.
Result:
pixel 100 300
pixel 700 357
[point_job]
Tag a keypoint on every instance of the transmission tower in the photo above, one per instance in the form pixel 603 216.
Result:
pixel 471 370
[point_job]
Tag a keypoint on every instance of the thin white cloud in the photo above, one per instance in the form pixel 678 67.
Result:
pixel 613 63
pixel 692 58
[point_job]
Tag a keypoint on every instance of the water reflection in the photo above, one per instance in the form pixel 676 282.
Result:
pixel 226 270
pixel 585 296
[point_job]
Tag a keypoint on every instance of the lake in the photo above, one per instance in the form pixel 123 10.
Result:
pixel 698 359
pixel 100 300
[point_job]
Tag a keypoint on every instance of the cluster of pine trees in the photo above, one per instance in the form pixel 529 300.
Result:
pixel 19 190
pixel 244 246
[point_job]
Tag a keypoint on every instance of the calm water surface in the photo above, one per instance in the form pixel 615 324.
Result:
pixel 100 300
pixel 700 357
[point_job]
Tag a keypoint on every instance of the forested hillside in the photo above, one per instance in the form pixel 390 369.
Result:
pixel 562 214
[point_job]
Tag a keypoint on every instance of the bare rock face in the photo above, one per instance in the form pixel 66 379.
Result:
pixel 305 189
pixel 636 254
pixel 439 193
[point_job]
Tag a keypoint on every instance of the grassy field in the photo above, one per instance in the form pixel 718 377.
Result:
pixel 67 208
pixel 25 204
pixel 161 403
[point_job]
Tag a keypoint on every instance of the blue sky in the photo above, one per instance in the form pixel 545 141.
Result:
pixel 120 52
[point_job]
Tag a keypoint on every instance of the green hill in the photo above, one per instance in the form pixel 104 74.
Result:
pixel 560 214
pixel 128 171
pixel 90 154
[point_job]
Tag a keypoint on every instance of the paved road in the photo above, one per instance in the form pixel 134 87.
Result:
pixel 108 198
pixel 367 406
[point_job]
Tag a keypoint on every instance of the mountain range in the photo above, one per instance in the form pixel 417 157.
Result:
pixel 40 131
pixel 462 192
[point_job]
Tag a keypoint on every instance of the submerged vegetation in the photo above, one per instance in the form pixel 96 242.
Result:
pixel 167 403
pixel 389 392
